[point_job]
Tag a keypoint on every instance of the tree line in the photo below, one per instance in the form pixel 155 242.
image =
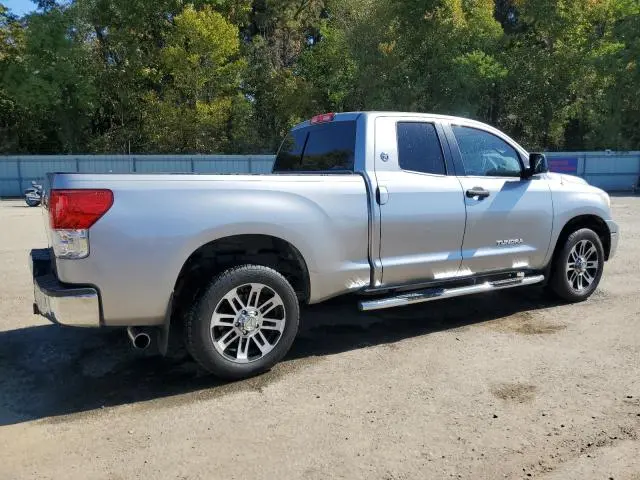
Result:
pixel 232 76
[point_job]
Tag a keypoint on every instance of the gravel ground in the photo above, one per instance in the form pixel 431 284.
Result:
pixel 503 385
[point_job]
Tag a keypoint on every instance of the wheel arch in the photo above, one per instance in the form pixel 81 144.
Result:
pixel 592 222
pixel 223 253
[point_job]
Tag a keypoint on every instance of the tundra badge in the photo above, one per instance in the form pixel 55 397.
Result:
pixel 509 242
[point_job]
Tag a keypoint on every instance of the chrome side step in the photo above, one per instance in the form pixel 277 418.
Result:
pixel 438 293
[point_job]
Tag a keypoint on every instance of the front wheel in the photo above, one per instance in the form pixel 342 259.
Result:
pixel 577 268
pixel 32 202
pixel 244 323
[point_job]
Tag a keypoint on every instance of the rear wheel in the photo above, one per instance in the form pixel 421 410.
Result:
pixel 577 268
pixel 31 202
pixel 244 323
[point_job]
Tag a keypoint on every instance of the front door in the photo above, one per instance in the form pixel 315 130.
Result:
pixel 421 207
pixel 509 219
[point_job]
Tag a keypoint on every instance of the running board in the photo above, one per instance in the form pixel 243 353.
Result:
pixel 439 293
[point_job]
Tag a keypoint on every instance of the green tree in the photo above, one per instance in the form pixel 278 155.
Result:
pixel 127 38
pixel 200 76
pixel 436 55
pixel 277 34
pixel 11 114
pixel 51 81
pixel 618 57
pixel 235 75
pixel 566 58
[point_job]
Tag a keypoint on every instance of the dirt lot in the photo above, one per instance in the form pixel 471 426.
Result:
pixel 506 385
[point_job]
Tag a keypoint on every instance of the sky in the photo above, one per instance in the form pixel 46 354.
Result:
pixel 19 7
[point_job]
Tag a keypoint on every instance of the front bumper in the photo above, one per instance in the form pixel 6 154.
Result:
pixel 60 303
pixel 615 237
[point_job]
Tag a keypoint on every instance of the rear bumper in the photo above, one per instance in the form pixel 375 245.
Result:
pixel 60 303
pixel 615 237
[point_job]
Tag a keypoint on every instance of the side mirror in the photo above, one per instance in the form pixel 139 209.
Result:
pixel 537 164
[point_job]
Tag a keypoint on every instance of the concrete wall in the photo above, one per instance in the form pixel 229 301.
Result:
pixel 613 171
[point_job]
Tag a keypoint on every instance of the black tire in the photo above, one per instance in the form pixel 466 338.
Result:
pixel 32 203
pixel 199 334
pixel 560 283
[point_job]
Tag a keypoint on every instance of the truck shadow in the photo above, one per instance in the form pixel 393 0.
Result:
pixel 49 371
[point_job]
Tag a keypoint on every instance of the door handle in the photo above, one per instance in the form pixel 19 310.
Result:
pixel 478 192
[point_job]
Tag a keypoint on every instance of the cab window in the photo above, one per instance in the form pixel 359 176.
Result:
pixel 324 148
pixel 419 149
pixel 485 154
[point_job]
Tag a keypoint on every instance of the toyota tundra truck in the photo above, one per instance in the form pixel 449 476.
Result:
pixel 393 208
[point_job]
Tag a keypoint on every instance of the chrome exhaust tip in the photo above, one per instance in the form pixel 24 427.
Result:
pixel 140 339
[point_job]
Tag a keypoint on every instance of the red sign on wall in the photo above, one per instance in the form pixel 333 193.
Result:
pixel 564 165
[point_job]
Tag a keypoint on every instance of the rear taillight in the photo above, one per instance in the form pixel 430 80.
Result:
pixel 78 209
pixel 71 214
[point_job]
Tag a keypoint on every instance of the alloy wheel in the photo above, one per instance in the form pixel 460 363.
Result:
pixel 248 322
pixel 582 265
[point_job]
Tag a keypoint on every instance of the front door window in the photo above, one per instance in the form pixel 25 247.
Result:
pixel 486 155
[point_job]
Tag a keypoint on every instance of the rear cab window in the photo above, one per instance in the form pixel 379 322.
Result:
pixel 419 149
pixel 318 148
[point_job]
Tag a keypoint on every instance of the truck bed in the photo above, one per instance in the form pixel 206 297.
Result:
pixel 157 221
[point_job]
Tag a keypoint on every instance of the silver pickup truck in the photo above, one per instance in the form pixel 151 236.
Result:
pixel 398 208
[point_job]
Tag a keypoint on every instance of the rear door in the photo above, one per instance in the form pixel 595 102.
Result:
pixel 509 219
pixel 421 206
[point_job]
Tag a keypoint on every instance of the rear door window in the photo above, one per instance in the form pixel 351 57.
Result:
pixel 324 148
pixel 419 149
